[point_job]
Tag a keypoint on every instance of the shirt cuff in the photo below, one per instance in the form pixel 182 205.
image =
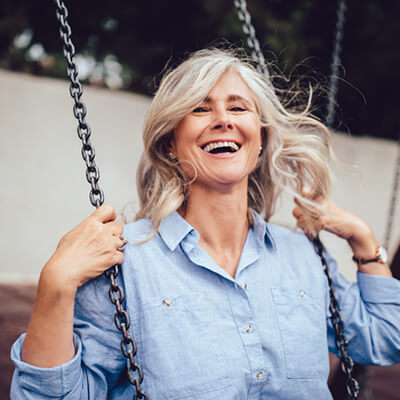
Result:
pixel 378 289
pixel 53 382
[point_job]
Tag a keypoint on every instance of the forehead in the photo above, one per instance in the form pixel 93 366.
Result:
pixel 229 85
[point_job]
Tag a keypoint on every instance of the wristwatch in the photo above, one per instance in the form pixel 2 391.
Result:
pixel 380 257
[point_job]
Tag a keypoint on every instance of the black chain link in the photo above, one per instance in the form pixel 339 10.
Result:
pixel 346 361
pixel 252 40
pixel 337 50
pixel 96 196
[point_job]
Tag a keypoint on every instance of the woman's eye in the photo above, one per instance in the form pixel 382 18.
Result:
pixel 200 109
pixel 237 108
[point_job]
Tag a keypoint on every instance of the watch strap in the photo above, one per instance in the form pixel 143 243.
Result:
pixel 380 257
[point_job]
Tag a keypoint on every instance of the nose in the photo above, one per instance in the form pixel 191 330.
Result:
pixel 221 121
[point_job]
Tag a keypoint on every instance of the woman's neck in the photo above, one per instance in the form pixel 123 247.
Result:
pixel 222 221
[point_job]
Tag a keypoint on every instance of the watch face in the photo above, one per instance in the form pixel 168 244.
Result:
pixel 383 254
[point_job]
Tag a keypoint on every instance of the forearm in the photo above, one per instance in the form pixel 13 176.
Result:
pixel 49 338
pixel 364 245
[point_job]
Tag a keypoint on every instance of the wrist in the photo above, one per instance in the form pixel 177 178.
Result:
pixel 54 281
pixel 364 244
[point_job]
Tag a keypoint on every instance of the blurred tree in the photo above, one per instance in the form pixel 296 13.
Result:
pixel 141 37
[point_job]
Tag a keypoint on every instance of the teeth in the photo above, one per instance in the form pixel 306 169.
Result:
pixel 216 145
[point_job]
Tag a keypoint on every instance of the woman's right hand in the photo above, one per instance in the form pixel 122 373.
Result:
pixel 86 251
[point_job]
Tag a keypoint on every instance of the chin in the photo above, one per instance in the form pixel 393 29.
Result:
pixel 226 181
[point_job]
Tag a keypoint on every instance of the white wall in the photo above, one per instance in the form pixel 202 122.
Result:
pixel 44 192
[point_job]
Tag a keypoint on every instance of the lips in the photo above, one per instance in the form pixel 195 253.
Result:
pixel 218 147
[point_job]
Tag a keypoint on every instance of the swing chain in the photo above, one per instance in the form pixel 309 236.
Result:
pixel 346 362
pixel 336 61
pixel 122 322
pixel 96 196
pixel 252 40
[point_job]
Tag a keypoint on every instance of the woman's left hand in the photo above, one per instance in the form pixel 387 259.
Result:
pixel 346 225
pixel 333 219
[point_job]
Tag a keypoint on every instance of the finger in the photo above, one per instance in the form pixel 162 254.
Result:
pixel 115 228
pixel 104 213
pixel 297 212
pixel 310 227
pixel 118 243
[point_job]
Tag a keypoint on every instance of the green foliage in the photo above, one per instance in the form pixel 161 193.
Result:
pixel 296 35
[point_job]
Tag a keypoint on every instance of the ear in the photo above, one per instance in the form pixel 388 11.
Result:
pixel 171 145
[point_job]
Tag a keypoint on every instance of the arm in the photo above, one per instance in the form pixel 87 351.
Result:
pixel 370 308
pixel 348 226
pixel 81 255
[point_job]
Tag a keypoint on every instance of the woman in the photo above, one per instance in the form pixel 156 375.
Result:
pixel 223 305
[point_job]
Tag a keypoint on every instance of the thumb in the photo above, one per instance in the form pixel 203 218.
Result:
pixel 104 213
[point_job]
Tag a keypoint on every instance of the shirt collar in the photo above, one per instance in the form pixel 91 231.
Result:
pixel 261 230
pixel 173 229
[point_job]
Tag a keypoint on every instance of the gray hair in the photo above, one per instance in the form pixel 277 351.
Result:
pixel 296 146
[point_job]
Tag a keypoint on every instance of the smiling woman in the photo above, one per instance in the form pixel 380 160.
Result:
pixel 223 304
pixel 216 88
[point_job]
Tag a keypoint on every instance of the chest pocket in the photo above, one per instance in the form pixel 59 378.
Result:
pixel 302 324
pixel 182 354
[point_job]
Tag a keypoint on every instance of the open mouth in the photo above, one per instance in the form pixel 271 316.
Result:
pixel 221 147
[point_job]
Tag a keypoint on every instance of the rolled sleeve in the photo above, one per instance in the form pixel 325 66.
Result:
pixel 370 309
pixel 379 289
pixel 32 382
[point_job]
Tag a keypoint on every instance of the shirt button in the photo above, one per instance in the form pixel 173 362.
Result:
pixel 249 328
pixel 244 286
pixel 166 302
pixel 303 293
pixel 259 375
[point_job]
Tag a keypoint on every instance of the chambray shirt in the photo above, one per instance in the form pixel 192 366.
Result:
pixel 204 335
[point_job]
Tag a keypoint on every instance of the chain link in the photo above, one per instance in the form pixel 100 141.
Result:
pixel 252 40
pixel 96 196
pixel 337 50
pixel 346 362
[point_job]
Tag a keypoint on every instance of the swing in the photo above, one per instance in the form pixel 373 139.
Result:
pixel 96 195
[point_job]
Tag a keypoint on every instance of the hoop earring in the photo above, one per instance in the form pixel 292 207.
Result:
pixel 172 156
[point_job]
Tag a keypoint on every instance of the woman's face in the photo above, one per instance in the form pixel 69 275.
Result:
pixel 222 136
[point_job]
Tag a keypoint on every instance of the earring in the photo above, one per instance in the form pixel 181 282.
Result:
pixel 259 150
pixel 172 156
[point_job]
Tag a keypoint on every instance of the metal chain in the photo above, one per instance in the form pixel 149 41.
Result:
pixel 336 61
pixel 96 196
pixel 346 362
pixel 252 41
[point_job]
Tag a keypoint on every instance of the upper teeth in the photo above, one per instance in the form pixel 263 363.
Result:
pixel 215 145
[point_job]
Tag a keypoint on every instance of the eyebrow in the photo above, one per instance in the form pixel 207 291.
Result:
pixel 231 97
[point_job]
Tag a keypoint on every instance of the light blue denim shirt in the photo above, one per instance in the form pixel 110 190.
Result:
pixel 204 335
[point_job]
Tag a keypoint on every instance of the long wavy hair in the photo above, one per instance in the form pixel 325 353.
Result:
pixel 296 146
